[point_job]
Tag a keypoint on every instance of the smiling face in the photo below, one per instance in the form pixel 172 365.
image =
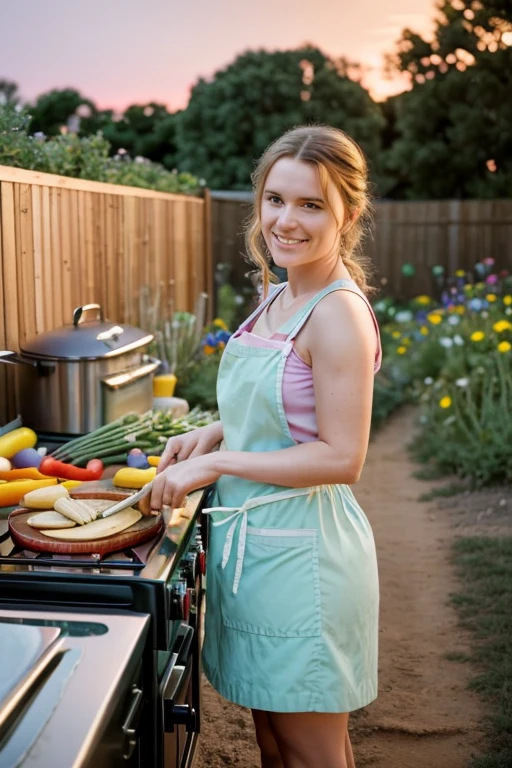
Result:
pixel 300 222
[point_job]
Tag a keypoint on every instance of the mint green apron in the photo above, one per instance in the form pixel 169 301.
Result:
pixel 292 584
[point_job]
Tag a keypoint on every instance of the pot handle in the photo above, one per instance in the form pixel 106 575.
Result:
pixel 118 380
pixel 13 358
pixel 78 312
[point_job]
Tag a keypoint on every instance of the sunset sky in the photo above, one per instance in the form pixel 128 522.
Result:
pixel 118 52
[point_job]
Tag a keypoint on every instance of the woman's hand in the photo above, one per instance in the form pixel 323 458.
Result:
pixel 196 443
pixel 171 486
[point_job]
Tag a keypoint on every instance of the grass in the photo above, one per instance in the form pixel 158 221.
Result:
pixel 485 608
pixel 452 489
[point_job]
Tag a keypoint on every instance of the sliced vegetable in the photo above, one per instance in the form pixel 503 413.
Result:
pixel 50 519
pixel 27 457
pixel 72 509
pixel 11 493
pixel 133 478
pixel 15 441
pixel 99 529
pixel 44 498
pixel 55 468
pixel 154 461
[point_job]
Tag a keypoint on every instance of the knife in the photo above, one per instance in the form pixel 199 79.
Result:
pixel 128 501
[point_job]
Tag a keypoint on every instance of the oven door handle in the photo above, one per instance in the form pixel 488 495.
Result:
pixel 179 654
pixel 129 726
pixel 177 670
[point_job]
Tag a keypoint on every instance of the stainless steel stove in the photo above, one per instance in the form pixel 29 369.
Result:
pixel 161 581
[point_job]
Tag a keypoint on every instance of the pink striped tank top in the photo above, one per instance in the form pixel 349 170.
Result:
pixel 298 391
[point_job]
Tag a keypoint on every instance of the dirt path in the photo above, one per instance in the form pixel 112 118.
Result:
pixel 424 716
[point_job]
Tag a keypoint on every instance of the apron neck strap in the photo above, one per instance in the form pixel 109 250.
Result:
pixel 259 309
pixel 295 323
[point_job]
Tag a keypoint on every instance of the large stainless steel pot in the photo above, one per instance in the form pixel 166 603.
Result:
pixel 77 378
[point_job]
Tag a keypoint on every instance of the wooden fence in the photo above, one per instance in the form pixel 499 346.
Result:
pixel 66 242
pixel 452 233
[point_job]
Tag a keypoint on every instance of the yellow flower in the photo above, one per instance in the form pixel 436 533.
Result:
pixel 423 300
pixel 208 350
pixel 401 350
pixel 504 346
pixel 221 345
pixel 424 330
pixel 460 309
pixel 502 325
pixel 396 334
pixel 445 402
pixel 219 323
pixel 507 300
pixel 477 336
pixel 491 297
pixel 435 318
pixel 460 273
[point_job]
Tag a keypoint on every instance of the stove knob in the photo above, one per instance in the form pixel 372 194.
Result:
pixel 176 602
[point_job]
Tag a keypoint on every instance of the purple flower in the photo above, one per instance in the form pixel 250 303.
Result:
pixel 491 279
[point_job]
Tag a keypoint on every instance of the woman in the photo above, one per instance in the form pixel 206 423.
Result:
pixel 292 586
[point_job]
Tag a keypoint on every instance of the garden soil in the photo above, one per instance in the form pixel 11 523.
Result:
pixel 425 716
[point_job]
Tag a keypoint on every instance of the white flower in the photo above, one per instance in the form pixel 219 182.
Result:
pixel 484 314
pixel 428 381
pixel 508 311
pixel 404 316
pixel 454 319
pixel 446 342
pixel 462 382
pixel 458 340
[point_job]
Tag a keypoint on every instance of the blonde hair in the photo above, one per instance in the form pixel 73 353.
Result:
pixel 337 158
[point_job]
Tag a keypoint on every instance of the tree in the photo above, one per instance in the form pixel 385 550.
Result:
pixel 231 119
pixel 454 128
pixel 9 92
pixel 53 110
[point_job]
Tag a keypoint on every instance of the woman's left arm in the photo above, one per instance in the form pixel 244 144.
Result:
pixel 341 338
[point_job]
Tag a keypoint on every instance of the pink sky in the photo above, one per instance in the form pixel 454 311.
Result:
pixel 117 53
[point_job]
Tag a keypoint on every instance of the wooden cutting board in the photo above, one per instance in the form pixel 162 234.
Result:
pixel 30 538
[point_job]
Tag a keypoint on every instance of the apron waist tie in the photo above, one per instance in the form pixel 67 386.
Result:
pixel 240 513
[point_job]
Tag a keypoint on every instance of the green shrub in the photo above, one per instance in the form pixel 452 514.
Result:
pixel 82 157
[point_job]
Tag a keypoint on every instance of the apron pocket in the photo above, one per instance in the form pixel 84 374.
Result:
pixel 279 589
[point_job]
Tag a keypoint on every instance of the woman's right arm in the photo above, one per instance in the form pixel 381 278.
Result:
pixel 195 443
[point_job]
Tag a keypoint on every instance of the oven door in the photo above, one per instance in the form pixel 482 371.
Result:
pixel 180 699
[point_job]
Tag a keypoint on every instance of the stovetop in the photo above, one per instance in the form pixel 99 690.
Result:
pixel 152 560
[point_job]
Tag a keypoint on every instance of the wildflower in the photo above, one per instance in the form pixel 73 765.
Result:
pixel 485 315
pixel 476 304
pixel 460 273
pixel 462 382
pixel 491 297
pixel 458 340
pixel 460 309
pixel 208 350
pixel 396 334
pixel 454 320
pixel 502 325
pixel 428 381
pixel 507 300
pixel 435 318
pixel 491 279
pixel 477 336
pixel 401 350
pixel 508 311
pixel 221 345
pixel 404 316
pixel 423 300
pixel 219 323
pixel 489 261
pixel 504 346
pixel 424 330
pixel 446 342
pixel 445 402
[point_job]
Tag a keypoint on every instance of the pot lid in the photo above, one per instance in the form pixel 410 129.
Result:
pixel 89 337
